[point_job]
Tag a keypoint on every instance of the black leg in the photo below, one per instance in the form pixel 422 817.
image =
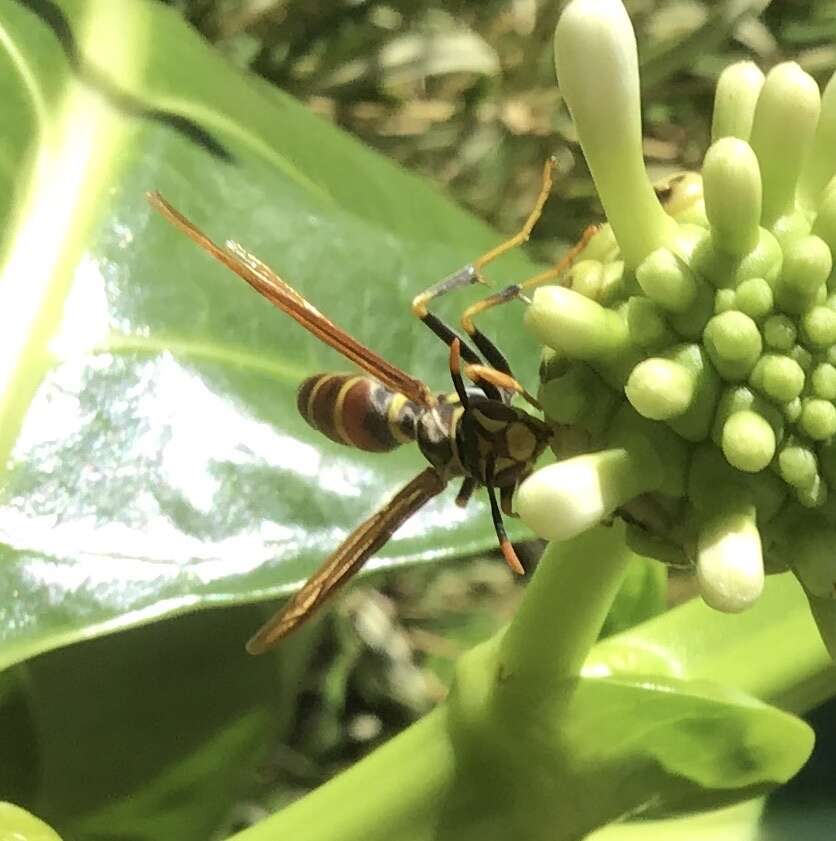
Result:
pixel 506 499
pixel 456 372
pixel 465 492
pixel 463 277
pixel 504 544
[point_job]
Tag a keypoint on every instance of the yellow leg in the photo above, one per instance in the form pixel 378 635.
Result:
pixel 524 233
pixel 484 373
pixel 515 290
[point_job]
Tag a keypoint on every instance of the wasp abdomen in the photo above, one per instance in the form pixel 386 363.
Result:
pixel 357 411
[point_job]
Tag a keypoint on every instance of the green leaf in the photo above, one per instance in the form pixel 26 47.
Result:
pixel 154 459
pixel 157 732
pixel 733 823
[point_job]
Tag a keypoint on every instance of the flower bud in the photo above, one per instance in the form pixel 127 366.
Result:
pixel 660 389
pixel 732 183
pixel 782 131
pixel 563 500
pixel 729 561
pixel 748 441
pixel 735 100
pixel 598 74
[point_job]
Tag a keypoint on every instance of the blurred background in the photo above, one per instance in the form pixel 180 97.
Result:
pixel 464 92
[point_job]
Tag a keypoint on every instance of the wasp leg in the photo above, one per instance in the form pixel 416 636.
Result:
pixel 456 371
pixel 506 499
pixel 463 277
pixel 521 237
pixel 465 492
pixel 503 381
pixel 471 273
pixel 510 293
pixel 499 527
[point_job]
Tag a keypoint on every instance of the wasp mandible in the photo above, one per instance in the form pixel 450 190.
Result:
pixel 473 433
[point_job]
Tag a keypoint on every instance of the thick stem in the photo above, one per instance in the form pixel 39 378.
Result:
pixel 564 608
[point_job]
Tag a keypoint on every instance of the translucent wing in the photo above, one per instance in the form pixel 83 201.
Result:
pixel 355 550
pixel 265 281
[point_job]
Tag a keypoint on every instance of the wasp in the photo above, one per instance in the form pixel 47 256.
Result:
pixel 473 433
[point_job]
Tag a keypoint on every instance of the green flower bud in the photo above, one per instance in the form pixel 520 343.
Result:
pixel 724 300
pixel 823 381
pixel 824 225
pixel 732 183
pixel 691 323
pixel 813 495
pixel 735 100
pixel 695 423
pixel 748 441
pixel 807 265
pixel 666 279
pixel 733 342
pixel 587 278
pixel 789 98
pixel 779 332
pixel 660 389
pixel 578 396
pixel 647 326
pixel 581 328
pixel 819 326
pixel 729 561
pixel 792 410
pixel 818 418
pixel 778 377
pixel 754 298
pixel 682 197
pixel 820 164
pixel 797 464
pixel 802 356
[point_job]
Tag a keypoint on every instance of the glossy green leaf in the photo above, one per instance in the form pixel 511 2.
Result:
pixel 154 459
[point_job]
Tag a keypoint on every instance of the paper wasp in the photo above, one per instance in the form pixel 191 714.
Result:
pixel 474 433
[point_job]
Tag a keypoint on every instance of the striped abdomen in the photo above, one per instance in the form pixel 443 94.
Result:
pixel 357 411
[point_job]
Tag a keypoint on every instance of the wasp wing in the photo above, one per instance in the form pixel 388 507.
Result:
pixel 355 550
pixel 266 282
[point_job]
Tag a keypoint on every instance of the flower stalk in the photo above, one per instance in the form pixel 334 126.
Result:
pixel 597 62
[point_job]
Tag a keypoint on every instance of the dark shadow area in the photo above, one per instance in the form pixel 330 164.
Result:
pixel 54 18
pixel 805 808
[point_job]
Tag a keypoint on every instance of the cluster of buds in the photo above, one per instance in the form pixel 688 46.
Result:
pixel 690 358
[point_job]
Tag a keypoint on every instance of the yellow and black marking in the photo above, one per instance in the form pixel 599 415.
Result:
pixel 357 411
pixel 499 443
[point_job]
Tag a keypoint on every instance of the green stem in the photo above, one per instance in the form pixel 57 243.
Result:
pixel 564 608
